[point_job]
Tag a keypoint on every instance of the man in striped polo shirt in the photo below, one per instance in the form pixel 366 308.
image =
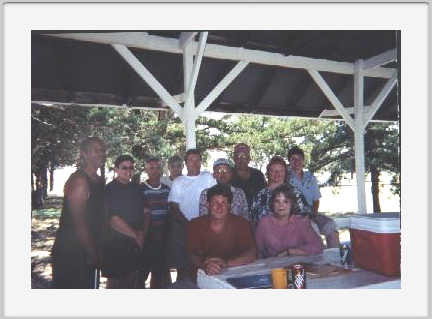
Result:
pixel 155 251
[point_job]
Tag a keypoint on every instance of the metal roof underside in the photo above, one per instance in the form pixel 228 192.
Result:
pixel 67 70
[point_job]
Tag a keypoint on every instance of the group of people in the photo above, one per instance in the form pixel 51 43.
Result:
pixel 200 220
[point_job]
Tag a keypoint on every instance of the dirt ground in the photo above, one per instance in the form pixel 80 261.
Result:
pixel 43 228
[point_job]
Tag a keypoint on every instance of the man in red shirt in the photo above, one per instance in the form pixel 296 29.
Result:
pixel 221 239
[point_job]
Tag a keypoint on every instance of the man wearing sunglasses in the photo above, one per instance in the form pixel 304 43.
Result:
pixel 223 173
pixel 249 179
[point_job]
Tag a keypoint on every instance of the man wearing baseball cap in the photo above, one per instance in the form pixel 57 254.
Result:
pixel 249 179
pixel 223 173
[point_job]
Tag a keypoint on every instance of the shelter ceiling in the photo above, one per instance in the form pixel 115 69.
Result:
pixel 79 72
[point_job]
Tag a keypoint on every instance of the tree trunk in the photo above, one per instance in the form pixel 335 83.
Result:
pixel 44 180
pixel 375 189
pixel 51 170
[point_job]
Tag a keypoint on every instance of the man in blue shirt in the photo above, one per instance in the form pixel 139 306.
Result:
pixel 308 196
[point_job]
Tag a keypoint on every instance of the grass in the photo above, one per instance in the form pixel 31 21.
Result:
pixel 43 229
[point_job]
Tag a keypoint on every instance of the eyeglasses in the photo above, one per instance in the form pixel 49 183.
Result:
pixel 124 168
pixel 222 170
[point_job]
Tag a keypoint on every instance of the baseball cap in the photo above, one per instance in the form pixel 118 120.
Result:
pixel 222 161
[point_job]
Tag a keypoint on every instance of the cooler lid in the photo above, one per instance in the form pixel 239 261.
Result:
pixel 377 222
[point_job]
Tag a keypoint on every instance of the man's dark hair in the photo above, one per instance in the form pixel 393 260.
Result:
pixel 295 150
pixel 86 143
pixel 219 190
pixel 175 159
pixel 122 158
pixel 152 159
pixel 192 151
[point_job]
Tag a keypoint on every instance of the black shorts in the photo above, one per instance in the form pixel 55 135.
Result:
pixel 120 256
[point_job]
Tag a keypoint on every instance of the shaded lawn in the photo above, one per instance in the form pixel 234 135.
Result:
pixel 43 229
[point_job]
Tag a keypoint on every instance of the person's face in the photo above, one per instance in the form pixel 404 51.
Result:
pixel 125 171
pixel 223 174
pixel 296 162
pixel 282 206
pixel 276 173
pixel 219 207
pixel 95 154
pixel 241 159
pixel 175 169
pixel 154 170
pixel 193 164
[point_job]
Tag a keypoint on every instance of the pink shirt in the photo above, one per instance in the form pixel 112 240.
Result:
pixel 272 237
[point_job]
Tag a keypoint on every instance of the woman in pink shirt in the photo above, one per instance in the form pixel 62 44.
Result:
pixel 283 233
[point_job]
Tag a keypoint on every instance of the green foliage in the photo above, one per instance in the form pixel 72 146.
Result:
pixel 328 144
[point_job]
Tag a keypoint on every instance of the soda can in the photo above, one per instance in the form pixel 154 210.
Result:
pixel 298 276
pixel 345 255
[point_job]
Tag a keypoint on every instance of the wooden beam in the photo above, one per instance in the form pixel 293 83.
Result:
pixel 380 59
pixel 185 38
pixel 376 104
pixel 196 66
pixel 150 42
pixel 332 97
pixel 222 85
pixel 350 110
pixel 148 78
pixel 359 137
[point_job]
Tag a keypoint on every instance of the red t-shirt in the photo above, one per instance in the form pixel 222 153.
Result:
pixel 234 239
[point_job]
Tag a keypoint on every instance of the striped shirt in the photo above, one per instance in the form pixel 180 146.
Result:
pixel 156 199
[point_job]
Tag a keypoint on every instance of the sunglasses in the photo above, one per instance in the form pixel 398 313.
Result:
pixel 222 171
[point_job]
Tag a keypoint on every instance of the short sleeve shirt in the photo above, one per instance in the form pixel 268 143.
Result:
pixel 260 205
pixel 156 199
pixel 308 186
pixel 250 186
pixel 239 205
pixel 126 202
pixel 234 239
pixel 186 191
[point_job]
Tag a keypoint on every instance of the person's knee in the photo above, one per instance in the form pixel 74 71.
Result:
pixel 329 228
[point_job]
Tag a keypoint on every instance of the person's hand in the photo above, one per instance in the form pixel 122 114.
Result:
pixel 139 238
pixel 214 265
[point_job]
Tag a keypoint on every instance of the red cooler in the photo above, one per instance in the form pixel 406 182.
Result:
pixel 375 242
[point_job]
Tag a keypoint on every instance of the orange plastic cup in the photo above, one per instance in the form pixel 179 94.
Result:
pixel 279 278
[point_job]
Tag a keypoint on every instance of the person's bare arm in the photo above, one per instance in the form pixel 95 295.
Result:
pixel 315 206
pixel 215 265
pixel 122 227
pixel 77 191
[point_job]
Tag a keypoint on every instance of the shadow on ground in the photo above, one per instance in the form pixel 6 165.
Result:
pixel 44 226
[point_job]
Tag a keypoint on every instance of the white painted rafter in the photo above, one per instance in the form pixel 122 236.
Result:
pixel 381 59
pixel 196 66
pixel 146 75
pixel 222 85
pixel 376 104
pixel 185 38
pixel 143 40
pixel 191 69
pixel 332 97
